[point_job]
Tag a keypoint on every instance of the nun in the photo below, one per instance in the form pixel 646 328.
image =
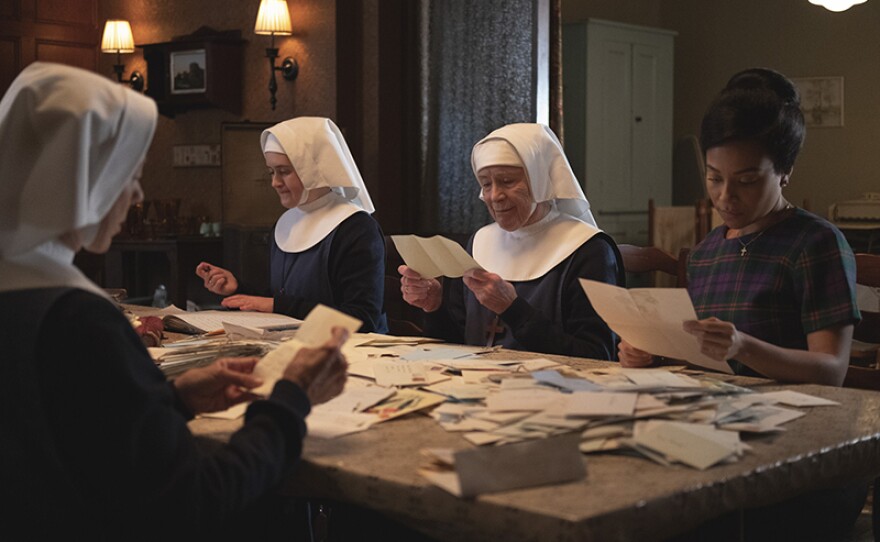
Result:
pixel 95 440
pixel 543 239
pixel 327 249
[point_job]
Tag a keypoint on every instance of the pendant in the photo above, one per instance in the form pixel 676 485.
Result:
pixel 743 251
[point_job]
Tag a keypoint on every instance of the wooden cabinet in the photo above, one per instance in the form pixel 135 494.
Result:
pixel 618 120
pixel 203 69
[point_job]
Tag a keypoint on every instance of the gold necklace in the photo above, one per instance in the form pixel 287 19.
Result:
pixel 744 251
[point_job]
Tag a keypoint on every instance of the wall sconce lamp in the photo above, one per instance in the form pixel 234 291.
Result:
pixel 273 19
pixel 118 39
pixel 837 5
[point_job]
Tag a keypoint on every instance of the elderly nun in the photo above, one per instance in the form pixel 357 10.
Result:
pixel 94 440
pixel 327 249
pixel 543 239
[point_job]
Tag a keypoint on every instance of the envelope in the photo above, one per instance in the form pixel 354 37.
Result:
pixel 474 471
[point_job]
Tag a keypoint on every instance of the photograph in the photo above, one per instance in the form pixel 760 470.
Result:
pixel 188 72
pixel 821 100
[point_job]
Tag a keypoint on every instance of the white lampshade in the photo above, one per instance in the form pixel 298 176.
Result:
pixel 837 5
pixel 117 37
pixel 273 18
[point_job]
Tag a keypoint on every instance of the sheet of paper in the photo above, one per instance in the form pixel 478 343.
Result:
pixel 659 378
pixel 699 447
pixel 469 424
pixel 798 399
pixel 556 380
pixel 593 404
pixel 335 424
pixel 208 321
pixel 355 398
pixel 397 373
pixel 271 367
pixel 527 399
pixel 500 468
pixel 480 438
pixel 435 256
pixel 316 329
pixel 403 402
pixel 651 320
pixel 763 419
pixel 430 353
pixel 459 390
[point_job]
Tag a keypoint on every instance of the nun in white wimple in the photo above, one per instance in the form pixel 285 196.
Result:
pixel 95 440
pixel 328 249
pixel 542 241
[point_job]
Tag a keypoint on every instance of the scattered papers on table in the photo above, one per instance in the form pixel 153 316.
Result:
pixel 403 402
pixel 670 416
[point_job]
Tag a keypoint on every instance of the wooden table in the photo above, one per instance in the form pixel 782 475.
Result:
pixel 622 498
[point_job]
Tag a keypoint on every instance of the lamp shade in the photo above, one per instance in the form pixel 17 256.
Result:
pixel 273 18
pixel 117 37
pixel 837 5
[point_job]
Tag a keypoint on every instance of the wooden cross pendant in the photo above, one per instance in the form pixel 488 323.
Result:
pixel 493 329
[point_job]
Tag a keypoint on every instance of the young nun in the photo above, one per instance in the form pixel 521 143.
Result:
pixel 542 241
pixel 94 440
pixel 327 249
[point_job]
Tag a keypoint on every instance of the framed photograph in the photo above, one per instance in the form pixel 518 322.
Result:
pixel 821 100
pixel 188 72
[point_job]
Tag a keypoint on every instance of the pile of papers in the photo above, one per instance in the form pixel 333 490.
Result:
pixel 665 415
pixel 176 358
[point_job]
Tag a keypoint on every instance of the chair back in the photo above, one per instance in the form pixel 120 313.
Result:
pixel 864 368
pixel 652 259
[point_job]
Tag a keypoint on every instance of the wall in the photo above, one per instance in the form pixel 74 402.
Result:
pixel 717 38
pixel 313 44
pixel 643 12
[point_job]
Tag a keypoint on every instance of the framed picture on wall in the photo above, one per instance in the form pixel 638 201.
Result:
pixel 821 100
pixel 188 72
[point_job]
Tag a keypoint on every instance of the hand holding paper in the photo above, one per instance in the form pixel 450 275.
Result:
pixel 320 372
pixel 322 367
pixel 651 319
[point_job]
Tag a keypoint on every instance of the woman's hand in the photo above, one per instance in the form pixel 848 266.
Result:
pixel 632 357
pixel 217 280
pixel 426 294
pixel 218 386
pixel 719 340
pixel 320 372
pixel 493 292
pixel 249 303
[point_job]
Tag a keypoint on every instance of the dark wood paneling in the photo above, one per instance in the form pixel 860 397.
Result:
pixel 8 10
pixel 76 12
pixel 8 61
pixel 63 31
pixel 66 53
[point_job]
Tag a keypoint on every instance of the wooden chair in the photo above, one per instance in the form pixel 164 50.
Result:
pixel 864 368
pixel 649 259
pixel 868 376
